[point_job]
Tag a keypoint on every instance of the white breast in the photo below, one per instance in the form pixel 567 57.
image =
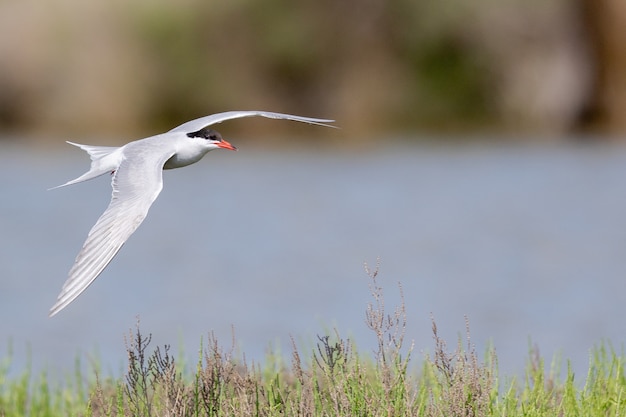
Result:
pixel 189 152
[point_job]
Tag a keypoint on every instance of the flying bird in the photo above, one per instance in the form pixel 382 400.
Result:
pixel 137 180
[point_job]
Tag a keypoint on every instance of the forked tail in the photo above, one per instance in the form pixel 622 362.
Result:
pixel 104 159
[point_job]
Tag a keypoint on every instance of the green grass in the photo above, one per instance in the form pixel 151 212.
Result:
pixel 330 379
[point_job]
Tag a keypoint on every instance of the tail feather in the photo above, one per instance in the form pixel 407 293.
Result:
pixel 95 152
pixel 103 160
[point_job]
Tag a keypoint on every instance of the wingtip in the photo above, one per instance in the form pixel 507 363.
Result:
pixel 61 302
pixel 58 306
pixel 54 188
pixel 54 310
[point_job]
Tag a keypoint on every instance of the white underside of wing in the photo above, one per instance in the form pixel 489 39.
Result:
pixel 197 124
pixel 135 187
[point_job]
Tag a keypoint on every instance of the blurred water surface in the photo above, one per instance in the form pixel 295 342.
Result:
pixel 528 242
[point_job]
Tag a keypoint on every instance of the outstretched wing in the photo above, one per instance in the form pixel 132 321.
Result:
pixel 197 124
pixel 135 187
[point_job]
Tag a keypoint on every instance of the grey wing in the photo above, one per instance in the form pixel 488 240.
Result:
pixel 135 187
pixel 197 124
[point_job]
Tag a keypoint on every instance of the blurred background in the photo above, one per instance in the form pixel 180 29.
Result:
pixel 548 67
pixel 480 157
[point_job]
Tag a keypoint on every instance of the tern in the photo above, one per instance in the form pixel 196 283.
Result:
pixel 137 180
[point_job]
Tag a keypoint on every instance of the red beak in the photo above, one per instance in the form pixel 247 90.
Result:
pixel 225 145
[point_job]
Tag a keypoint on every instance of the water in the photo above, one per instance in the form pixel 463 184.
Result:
pixel 528 243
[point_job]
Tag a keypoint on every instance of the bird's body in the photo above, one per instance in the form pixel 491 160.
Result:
pixel 137 181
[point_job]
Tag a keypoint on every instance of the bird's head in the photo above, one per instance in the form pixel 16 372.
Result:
pixel 213 139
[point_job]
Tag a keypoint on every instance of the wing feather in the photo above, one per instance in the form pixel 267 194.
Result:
pixel 197 124
pixel 135 187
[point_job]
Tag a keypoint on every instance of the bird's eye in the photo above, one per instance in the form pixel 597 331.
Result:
pixel 208 134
